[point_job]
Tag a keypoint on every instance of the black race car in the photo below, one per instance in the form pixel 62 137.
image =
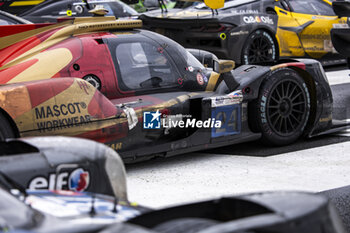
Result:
pixel 253 31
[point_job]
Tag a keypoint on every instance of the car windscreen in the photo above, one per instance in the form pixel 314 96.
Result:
pixel 144 65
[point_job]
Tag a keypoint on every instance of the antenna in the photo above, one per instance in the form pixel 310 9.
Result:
pixel 92 210
pixel 115 203
pixel 162 5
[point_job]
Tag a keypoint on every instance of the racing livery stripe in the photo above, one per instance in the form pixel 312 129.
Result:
pixel 15 50
pixel 55 86
pixel 11 72
pixel 45 68
pixel 7 40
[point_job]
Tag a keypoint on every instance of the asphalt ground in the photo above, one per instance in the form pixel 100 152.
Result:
pixel 313 165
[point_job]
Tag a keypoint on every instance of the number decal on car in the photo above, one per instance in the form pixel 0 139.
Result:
pixel 230 117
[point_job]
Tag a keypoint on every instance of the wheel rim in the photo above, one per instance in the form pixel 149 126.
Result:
pixel 260 50
pixel 286 107
pixel 93 81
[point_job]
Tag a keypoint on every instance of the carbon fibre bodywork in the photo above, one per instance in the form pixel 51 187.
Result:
pixel 295 32
pixel 166 79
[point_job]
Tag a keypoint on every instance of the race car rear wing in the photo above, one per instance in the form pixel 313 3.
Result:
pixel 63 163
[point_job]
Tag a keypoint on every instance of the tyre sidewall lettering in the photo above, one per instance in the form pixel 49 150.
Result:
pixel 269 84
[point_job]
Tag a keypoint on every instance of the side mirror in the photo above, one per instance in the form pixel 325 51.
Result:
pixel 341 8
pixel 204 57
pixel 223 66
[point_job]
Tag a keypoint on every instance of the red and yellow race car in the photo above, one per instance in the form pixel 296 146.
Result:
pixel 145 95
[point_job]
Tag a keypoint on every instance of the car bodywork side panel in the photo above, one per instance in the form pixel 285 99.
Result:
pixel 65 106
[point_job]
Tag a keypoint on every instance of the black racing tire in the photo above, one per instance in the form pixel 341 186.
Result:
pixel 185 225
pixel 93 80
pixel 259 48
pixel 282 109
pixel 6 130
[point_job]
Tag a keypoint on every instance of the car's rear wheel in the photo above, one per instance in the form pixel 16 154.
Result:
pixel 6 130
pixel 282 109
pixel 260 47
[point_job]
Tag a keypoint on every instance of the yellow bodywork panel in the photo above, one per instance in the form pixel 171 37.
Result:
pixel 301 34
pixel 213 79
pixel 215 4
pixel 289 43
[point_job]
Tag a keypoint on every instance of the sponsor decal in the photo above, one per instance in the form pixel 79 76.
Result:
pixel 190 69
pixel 69 13
pixel 315 48
pixel 223 36
pixel 258 19
pixel 173 121
pixel 315 36
pixel 205 79
pixel 84 86
pixel 132 117
pixel 61 111
pixel 235 97
pixel 77 180
pixel 326 119
pixel 322 17
pixel 239 33
pixel 151 120
pixel 230 116
pixel 244 12
pixel 200 79
pixel 116 146
pixel 340 25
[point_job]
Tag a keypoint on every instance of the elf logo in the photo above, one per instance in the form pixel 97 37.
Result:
pixel 77 180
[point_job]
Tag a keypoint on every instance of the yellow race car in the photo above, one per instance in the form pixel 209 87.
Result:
pixel 254 31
